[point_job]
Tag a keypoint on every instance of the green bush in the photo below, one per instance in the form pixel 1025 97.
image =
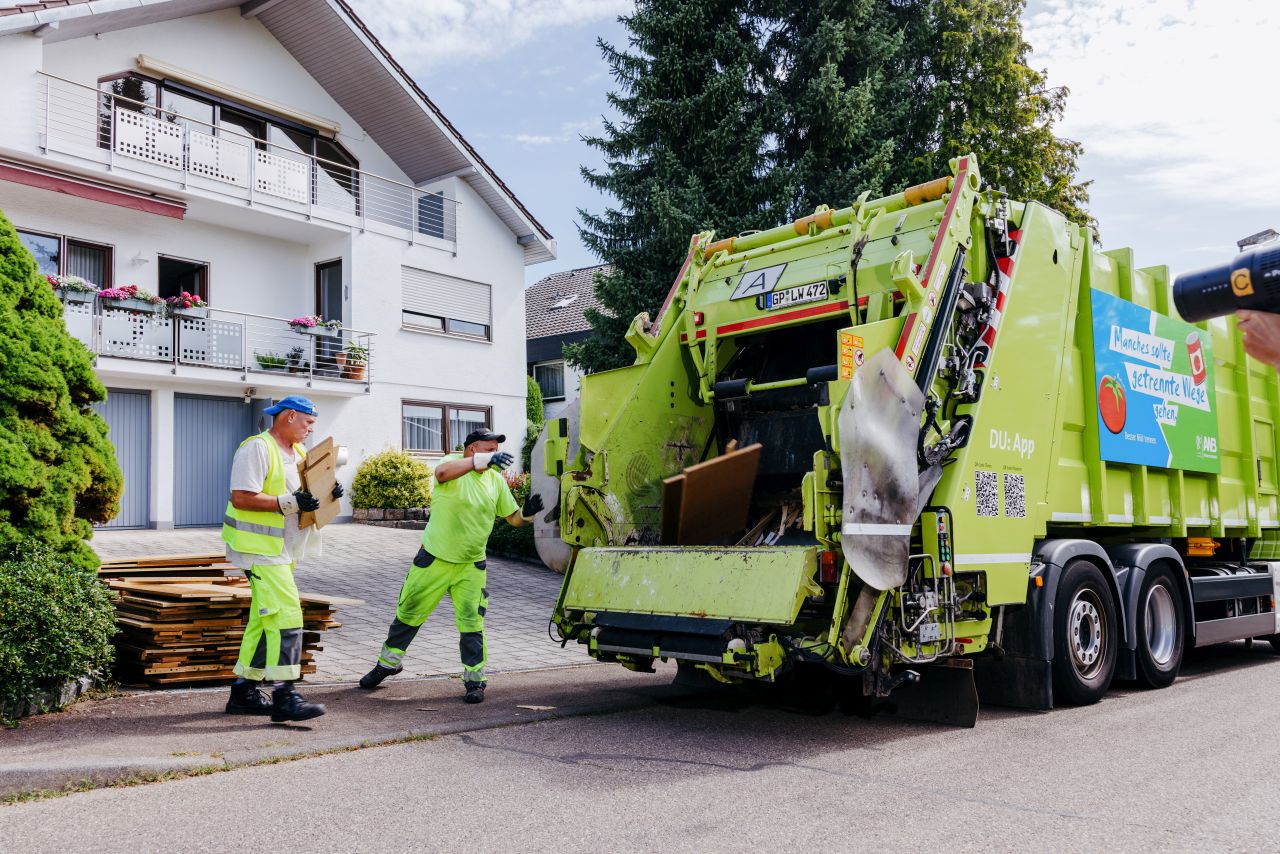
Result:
pixel 58 471
pixel 533 409
pixel 56 623
pixel 392 479
pixel 509 541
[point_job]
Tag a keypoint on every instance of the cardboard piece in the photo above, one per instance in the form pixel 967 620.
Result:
pixel 319 474
pixel 710 501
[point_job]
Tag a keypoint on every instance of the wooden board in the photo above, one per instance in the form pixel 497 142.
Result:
pixel 709 501
pixel 319 474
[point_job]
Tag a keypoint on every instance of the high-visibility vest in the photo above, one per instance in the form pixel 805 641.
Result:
pixel 260 532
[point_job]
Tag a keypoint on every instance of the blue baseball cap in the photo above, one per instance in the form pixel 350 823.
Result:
pixel 296 402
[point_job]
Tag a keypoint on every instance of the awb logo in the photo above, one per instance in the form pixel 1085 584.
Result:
pixel 1207 443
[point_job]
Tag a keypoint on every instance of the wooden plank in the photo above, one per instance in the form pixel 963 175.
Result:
pixel 319 474
pixel 714 499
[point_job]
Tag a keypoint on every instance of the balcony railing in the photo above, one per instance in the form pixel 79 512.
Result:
pixel 235 341
pixel 133 135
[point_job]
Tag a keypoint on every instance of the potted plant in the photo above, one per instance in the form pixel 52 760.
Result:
pixel 270 361
pixel 131 298
pixel 357 359
pixel 296 362
pixel 73 288
pixel 311 324
pixel 187 305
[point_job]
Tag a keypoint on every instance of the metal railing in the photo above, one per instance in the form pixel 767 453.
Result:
pixel 237 341
pixel 140 136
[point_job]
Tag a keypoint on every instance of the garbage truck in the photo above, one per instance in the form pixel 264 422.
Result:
pixel 988 462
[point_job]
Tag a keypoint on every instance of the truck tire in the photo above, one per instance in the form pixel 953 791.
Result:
pixel 1085 635
pixel 1161 628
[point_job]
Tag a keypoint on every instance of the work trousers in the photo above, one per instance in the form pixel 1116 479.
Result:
pixel 429 579
pixel 272 645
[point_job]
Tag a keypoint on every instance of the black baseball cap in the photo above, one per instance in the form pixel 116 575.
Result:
pixel 485 435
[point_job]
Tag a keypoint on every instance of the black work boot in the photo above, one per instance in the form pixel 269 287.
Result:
pixel 246 699
pixel 288 705
pixel 475 692
pixel 374 677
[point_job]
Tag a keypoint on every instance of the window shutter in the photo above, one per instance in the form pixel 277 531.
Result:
pixel 424 292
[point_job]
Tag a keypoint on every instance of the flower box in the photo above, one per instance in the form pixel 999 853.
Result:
pixel 317 331
pixel 199 312
pixel 76 296
pixel 140 306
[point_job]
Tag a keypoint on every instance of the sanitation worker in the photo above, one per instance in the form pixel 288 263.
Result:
pixel 263 539
pixel 468 494
pixel 1261 331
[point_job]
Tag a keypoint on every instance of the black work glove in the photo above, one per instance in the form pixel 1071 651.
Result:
pixel 501 460
pixel 532 507
pixel 338 492
pixel 306 501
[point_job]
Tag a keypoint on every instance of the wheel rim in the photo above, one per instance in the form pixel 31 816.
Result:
pixel 1088 633
pixel 1162 624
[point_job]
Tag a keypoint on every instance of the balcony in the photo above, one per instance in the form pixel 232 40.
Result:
pixel 124 135
pixel 236 342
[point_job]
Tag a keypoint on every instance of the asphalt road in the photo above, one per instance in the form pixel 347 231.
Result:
pixel 1191 768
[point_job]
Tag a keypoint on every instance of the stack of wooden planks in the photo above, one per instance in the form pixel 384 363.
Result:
pixel 182 618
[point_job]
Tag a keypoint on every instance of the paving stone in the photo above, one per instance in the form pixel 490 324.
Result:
pixel 369 563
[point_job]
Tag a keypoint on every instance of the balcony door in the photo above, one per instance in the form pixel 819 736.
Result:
pixel 329 307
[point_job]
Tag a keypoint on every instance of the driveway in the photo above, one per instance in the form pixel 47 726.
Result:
pixel 369 563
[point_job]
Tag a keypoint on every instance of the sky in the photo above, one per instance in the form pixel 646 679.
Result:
pixel 1174 101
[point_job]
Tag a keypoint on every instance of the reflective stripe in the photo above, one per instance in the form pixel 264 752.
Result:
pixel 869 529
pixel 476 675
pixel 254 527
pixel 391 657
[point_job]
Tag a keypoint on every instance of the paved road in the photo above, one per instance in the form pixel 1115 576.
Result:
pixel 1191 768
pixel 369 563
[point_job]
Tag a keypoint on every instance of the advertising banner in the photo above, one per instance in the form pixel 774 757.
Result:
pixel 1156 402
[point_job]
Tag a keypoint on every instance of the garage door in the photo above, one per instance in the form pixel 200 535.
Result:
pixel 207 431
pixel 128 414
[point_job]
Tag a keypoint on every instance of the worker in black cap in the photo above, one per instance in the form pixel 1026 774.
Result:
pixel 468 494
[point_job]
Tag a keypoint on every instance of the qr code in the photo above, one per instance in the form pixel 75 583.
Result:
pixel 988 489
pixel 1015 498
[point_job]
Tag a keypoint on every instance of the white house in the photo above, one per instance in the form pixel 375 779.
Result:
pixel 273 157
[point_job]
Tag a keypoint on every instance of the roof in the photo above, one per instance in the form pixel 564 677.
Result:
pixel 555 305
pixel 337 49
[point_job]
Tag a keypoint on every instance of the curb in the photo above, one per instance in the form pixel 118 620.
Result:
pixel 19 779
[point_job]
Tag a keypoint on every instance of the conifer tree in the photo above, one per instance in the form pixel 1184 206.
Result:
pixel 58 471
pixel 685 154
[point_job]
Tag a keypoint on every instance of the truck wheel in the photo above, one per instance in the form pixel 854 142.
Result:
pixel 1160 628
pixel 1084 635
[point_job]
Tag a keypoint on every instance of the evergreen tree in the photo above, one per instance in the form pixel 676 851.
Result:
pixel 839 95
pixel 58 471
pixel 988 100
pixel 686 155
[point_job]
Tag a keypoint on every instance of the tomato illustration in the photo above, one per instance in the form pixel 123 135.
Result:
pixel 1111 405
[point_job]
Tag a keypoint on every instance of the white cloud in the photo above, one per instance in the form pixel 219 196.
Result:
pixel 446 31
pixel 530 139
pixel 1179 93
pixel 569 132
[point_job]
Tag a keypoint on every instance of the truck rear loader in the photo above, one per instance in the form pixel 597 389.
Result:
pixel 986 460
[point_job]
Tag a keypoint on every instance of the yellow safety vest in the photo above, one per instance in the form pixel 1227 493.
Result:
pixel 260 532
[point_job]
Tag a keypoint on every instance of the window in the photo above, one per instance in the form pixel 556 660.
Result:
pixel 59 255
pixel 89 261
pixel 431 215
pixel 550 378
pixel 240 125
pixel 177 275
pixel 438 428
pixel 437 303
pixel 47 250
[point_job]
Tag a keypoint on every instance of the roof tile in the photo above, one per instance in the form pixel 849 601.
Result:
pixel 555 305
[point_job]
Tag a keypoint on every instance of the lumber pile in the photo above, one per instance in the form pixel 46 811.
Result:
pixel 182 618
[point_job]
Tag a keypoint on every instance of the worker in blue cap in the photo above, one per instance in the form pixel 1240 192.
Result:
pixel 263 539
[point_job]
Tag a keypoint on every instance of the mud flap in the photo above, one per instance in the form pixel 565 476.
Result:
pixel 1015 681
pixel 879 425
pixel 944 694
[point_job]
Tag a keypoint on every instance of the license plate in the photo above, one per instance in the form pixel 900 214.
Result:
pixel 815 292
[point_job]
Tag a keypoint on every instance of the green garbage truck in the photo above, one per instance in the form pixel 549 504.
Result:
pixel 992 463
